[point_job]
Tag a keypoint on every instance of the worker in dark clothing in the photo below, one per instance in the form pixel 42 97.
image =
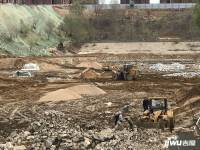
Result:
pixel 165 105
pixel 150 106
pixel 18 73
pixel 118 118
pixel 132 4
pixel 145 104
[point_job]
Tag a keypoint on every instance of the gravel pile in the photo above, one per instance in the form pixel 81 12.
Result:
pixel 167 67
pixel 184 74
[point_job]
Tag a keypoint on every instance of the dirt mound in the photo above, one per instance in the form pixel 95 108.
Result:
pixel 192 100
pixel 89 90
pixel 60 95
pixel 89 74
pixel 49 67
pixel 187 93
pixel 89 64
pixel 71 93
pixel 188 105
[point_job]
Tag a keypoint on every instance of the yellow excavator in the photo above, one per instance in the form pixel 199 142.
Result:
pixel 156 111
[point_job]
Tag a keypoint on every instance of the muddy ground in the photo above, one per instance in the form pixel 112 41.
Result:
pixel 87 123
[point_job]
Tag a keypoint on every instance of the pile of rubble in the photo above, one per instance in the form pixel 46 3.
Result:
pixel 54 130
pixel 184 74
pixel 167 67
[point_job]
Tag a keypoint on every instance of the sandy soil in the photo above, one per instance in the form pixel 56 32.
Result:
pixel 72 93
pixel 163 48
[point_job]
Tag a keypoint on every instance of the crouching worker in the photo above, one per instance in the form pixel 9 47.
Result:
pixel 118 118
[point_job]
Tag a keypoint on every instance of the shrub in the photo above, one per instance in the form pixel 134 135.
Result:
pixel 76 26
pixel 196 14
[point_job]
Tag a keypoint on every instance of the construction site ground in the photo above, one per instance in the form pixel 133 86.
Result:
pixel 85 120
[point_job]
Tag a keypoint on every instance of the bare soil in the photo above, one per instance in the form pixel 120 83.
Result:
pixel 19 106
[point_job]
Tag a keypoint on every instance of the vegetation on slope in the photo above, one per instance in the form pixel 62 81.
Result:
pixel 28 30
pixel 31 30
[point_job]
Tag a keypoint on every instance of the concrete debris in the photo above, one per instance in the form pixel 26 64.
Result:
pixel 22 147
pixel 109 104
pixel 10 146
pixel 30 67
pixel 167 67
pixel 184 74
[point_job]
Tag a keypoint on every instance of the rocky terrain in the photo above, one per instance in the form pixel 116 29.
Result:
pixel 58 108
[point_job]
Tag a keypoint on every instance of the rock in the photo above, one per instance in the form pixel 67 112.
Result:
pixel 87 142
pixel 91 108
pixel 2 146
pixel 22 147
pixel 13 134
pixel 108 104
pixel 44 137
pixel 91 125
pixel 49 142
pixel 30 137
pixel 63 135
pixel 69 119
pixel 76 139
pixel 26 133
pixel 9 145
pixel 53 147
pixel 106 133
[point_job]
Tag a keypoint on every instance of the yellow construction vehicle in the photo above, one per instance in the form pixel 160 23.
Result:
pixel 156 111
pixel 125 72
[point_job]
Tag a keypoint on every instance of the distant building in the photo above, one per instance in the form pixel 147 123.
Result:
pixel 35 2
pixel 30 2
pixel 156 1
pixel 177 1
pixel 141 1
pixel 109 1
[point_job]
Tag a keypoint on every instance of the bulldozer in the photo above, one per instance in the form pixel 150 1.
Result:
pixel 125 72
pixel 157 112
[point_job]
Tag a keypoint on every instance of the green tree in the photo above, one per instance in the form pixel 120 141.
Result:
pixel 196 13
